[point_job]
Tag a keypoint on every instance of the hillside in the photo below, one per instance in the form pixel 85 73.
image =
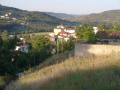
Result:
pixel 34 19
pixel 65 72
pixel 106 16
pixel 61 15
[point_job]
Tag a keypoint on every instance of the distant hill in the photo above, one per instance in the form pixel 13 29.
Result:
pixel 62 15
pixel 106 16
pixel 39 20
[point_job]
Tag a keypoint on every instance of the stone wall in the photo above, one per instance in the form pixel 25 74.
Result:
pixel 85 50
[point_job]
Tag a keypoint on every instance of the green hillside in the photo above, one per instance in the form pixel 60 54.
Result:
pixel 107 16
pixel 65 72
pixel 61 15
pixel 39 21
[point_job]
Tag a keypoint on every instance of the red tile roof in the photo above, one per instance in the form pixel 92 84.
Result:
pixel 64 36
pixel 21 44
pixel 62 32
pixel 49 37
pixel 24 45
pixel 73 33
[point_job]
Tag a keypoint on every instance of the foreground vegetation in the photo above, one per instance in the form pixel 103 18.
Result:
pixel 4 80
pixel 64 72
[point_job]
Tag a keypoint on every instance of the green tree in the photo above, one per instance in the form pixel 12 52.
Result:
pixel 7 58
pixel 90 36
pixel 86 32
pixel 41 40
pixel 4 34
pixel 23 32
pixel 1 41
pixel 101 26
pixel 115 26
pixel 80 30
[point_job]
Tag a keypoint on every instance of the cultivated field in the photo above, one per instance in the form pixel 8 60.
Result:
pixel 41 33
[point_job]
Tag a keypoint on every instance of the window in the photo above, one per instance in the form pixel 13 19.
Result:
pixel 23 48
pixel 26 48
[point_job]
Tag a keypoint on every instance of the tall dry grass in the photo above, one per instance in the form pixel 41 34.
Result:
pixel 61 73
pixel 2 83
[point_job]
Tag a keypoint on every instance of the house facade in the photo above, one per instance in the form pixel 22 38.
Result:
pixel 63 28
pixel 2 16
pixel 22 46
pixel 64 35
pixel 51 39
pixel 70 30
pixel 59 29
pixel 95 29
pixel 65 32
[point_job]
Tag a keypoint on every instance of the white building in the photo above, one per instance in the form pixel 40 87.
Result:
pixel 6 15
pixel 51 34
pixel 70 30
pixel 64 35
pixel 2 16
pixel 9 13
pixel 22 46
pixel 21 39
pixel 95 29
pixel 51 39
pixel 14 19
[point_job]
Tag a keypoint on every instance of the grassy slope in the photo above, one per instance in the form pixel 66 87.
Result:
pixel 2 82
pixel 64 72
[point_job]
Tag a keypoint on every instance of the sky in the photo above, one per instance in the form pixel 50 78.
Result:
pixel 64 6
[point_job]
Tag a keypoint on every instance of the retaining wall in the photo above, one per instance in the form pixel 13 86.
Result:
pixel 84 50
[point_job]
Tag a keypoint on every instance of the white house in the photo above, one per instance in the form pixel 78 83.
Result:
pixel 21 39
pixel 22 46
pixel 2 16
pixel 9 13
pixel 61 26
pixel 6 15
pixel 64 35
pixel 95 29
pixel 51 39
pixel 51 34
pixel 70 30
pixel 11 35
pixel 14 19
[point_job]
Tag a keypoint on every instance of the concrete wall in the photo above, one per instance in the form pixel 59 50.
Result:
pixel 85 50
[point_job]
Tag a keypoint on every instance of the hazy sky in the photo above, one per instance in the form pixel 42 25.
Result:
pixel 64 6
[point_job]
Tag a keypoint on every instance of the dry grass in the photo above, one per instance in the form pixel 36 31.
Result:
pixel 41 33
pixel 61 73
pixel 2 83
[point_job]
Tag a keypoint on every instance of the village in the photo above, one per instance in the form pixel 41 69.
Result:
pixel 59 45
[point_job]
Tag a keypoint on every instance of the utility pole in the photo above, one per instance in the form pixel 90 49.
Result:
pixel 34 57
pixel 62 45
pixel 57 46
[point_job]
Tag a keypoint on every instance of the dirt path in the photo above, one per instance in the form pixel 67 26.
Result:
pixel 18 74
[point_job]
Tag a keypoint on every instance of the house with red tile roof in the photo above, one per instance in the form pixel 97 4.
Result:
pixel 64 35
pixel 22 46
pixel 51 39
